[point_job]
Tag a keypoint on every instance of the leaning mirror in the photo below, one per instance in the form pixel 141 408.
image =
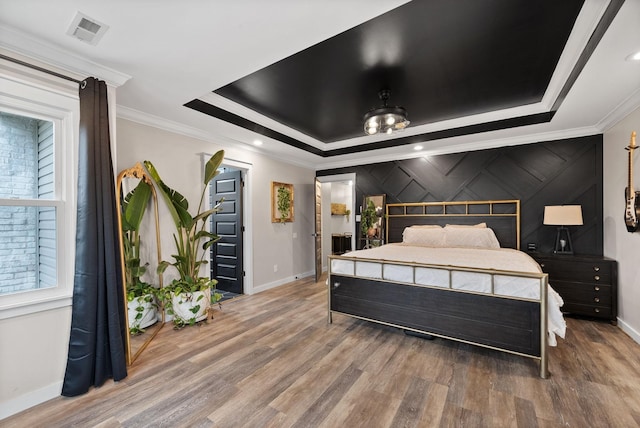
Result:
pixel 140 255
pixel 372 221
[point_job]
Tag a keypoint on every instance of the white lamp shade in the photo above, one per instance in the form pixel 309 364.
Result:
pixel 563 215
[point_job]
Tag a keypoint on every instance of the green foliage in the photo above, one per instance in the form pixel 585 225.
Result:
pixel 368 217
pixel 150 297
pixel 284 202
pixel 191 237
pixel 183 296
pixel 133 206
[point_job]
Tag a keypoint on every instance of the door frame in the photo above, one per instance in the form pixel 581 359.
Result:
pixel 355 215
pixel 247 210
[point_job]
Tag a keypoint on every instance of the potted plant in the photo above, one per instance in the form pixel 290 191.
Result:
pixel 189 297
pixel 141 296
pixel 368 220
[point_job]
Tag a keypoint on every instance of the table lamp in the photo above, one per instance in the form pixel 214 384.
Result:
pixel 562 216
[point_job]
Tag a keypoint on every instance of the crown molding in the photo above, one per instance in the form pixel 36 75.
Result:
pixel 622 110
pixel 466 147
pixel 143 118
pixel 147 119
pixel 178 128
pixel 25 45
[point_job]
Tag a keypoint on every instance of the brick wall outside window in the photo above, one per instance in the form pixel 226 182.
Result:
pixel 22 141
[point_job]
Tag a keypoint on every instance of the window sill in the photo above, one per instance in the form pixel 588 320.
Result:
pixel 33 307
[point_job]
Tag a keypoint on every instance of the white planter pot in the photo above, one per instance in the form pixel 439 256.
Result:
pixel 149 312
pixel 184 304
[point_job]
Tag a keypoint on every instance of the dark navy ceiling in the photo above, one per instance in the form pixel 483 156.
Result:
pixel 441 59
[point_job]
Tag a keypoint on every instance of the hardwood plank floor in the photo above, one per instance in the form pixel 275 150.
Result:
pixel 271 360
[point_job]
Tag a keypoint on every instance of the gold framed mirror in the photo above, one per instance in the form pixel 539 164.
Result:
pixel 372 221
pixel 140 281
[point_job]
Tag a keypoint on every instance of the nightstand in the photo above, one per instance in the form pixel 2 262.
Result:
pixel 588 284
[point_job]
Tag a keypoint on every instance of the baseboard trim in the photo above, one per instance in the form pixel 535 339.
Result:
pixel 30 399
pixel 634 334
pixel 274 284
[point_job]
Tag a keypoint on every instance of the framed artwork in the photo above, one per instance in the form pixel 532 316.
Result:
pixel 338 209
pixel 281 202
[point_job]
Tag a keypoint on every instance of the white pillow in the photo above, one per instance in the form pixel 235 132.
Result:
pixel 423 237
pixel 464 226
pixel 470 237
pixel 426 226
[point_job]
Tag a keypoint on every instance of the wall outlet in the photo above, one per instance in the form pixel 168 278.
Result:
pixel 275 268
pixel 295 235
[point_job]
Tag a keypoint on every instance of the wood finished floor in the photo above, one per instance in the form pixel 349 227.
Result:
pixel 271 360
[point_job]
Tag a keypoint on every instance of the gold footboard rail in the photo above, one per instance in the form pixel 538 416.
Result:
pixel 484 317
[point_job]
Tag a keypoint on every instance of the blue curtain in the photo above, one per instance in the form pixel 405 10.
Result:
pixel 97 340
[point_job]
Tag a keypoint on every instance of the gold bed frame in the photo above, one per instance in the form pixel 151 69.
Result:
pixel 421 209
pixel 425 209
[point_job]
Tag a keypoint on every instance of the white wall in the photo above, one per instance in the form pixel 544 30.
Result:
pixel 341 193
pixel 33 357
pixel 288 246
pixel 619 244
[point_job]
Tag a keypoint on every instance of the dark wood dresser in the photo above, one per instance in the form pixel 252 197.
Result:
pixel 588 284
pixel 340 243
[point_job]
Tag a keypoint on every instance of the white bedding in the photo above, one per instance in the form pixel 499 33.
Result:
pixel 503 259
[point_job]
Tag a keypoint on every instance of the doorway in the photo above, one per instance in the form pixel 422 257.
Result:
pixel 227 253
pixel 231 260
pixel 331 228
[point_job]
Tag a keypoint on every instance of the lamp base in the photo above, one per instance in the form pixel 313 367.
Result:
pixel 563 242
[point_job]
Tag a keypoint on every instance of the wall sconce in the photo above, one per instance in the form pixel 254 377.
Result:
pixel 562 216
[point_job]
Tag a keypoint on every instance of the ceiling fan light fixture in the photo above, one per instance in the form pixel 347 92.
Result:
pixel 385 119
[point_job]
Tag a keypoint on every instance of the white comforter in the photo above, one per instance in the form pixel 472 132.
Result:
pixel 503 259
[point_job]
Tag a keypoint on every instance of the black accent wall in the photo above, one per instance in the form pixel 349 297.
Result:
pixel 562 172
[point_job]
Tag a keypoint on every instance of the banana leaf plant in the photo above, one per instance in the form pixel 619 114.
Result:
pixel 133 206
pixel 368 218
pixel 192 237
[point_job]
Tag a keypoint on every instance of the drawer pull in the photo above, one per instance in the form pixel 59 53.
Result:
pixel 541 264
pixel 597 310
pixel 336 284
pixel 596 288
pixel 597 277
pixel 597 300
pixel 596 268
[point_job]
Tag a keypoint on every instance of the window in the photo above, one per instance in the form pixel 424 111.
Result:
pixel 38 129
pixel 27 204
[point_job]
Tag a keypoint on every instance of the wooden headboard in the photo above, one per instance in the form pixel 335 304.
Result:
pixel 503 216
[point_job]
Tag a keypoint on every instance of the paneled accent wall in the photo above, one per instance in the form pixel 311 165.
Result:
pixel 550 173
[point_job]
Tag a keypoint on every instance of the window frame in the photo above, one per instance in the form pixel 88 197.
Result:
pixel 58 102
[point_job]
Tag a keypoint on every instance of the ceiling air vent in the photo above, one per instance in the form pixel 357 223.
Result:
pixel 87 29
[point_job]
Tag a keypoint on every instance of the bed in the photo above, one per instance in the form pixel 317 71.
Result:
pixel 452 270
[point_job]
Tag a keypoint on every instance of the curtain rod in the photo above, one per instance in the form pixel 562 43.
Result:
pixel 35 67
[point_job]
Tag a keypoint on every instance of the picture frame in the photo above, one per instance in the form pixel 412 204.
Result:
pixel 282 202
pixel 338 209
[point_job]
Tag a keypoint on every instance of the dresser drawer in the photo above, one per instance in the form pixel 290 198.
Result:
pixel 583 293
pixel 588 284
pixel 588 310
pixel 586 271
